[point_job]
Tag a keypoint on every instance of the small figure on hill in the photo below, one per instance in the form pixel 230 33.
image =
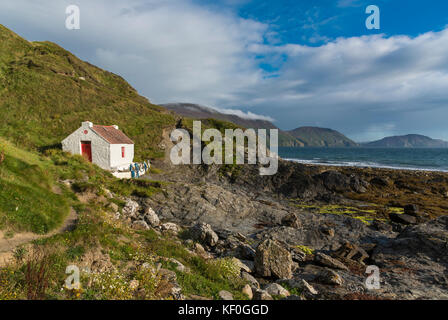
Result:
pixel 137 170
pixel 131 168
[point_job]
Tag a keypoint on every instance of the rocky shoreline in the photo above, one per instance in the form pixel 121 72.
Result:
pixel 310 232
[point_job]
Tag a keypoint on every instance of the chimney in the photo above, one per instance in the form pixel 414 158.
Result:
pixel 87 124
pixel 115 126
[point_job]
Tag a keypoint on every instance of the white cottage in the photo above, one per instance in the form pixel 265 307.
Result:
pixel 106 146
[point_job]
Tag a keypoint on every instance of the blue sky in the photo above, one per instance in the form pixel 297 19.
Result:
pixel 301 62
pixel 316 22
pixel 302 21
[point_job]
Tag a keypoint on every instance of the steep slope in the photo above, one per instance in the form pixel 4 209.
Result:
pixel 408 141
pixel 46 92
pixel 321 137
pixel 27 201
pixel 201 112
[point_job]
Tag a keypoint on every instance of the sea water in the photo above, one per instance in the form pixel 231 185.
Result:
pixel 393 158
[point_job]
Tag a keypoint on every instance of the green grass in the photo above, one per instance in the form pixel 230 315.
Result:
pixel 29 181
pixel 27 202
pixel 293 291
pixel 206 279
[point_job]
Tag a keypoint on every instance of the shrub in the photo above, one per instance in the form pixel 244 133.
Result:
pixel 305 249
pixel 225 268
pixel 19 254
pixel 37 274
pixel 152 284
pixel 109 285
pixel 8 290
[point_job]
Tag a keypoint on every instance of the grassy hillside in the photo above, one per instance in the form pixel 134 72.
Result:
pixel 33 199
pixel 285 139
pixel 46 92
pixel 27 201
pixel 321 137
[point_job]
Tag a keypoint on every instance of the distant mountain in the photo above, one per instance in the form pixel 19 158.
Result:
pixel 408 141
pixel 321 137
pixel 201 112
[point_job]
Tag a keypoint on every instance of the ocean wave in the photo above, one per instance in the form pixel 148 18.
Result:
pixel 361 164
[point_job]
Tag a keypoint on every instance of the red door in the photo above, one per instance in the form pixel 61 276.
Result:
pixel 86 150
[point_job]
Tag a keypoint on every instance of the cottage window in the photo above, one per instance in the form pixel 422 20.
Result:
pixel 122 152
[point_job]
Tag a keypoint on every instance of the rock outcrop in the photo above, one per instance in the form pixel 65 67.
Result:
pixel 272 260
pixel 204 233
pixel 414 265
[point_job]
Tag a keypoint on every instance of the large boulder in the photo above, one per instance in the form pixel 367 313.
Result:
pixel 245 251
pixel 170 228
pixel 272 260
pixel 250 279
pixel 247 290
pixel 140 225
pixel 303 286
pixel 225 295
pixel 327 261
pixel 204 233
pixel 274 289
pixel 403 218
pixel 151 217
pixel 262 295
pixel 291 220
pixel 411 209
pixel 130 208
pixel 330 277
pixel 357 184
pixel 335 181
pixel 241 265
pixel 170 278
pixel 380 181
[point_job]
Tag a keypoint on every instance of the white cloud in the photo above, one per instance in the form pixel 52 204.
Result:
pixel 246 115
pixel 169 50
pixel 174 50
pixel 352 84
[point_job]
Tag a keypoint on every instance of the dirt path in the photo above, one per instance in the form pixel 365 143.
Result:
pixel 7 246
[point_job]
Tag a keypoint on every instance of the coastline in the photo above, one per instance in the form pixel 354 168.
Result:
pixel 362 166
pixel 394 187
pixel 322 209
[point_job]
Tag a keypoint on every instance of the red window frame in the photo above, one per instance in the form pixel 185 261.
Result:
pixel 123 152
